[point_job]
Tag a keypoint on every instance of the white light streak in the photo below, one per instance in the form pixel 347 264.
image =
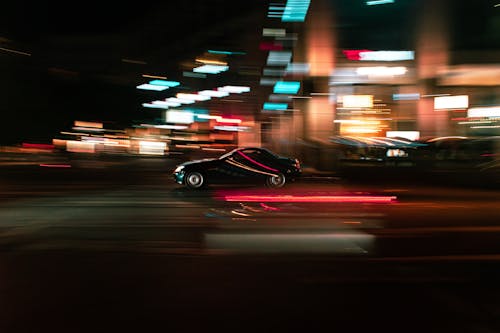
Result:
pixel 381 71
pixel 214 93
pixel 193 97
pixel 234 89
pixel 484 112
pixel 154 87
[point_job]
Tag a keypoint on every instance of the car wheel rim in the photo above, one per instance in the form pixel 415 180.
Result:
pixel 278 180
pixel 195 179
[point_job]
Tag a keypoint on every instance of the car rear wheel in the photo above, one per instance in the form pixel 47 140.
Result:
pixel 194 180
pixel 276 181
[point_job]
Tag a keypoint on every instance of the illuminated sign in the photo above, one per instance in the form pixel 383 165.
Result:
pixel 275 106
pixel 234 89
pixel 268 32
pixel 232 128
pixel 194 97
pixel 166 103
pixel 484 112
pixel 228 120
pixel 286 87
pixel 154 87
pixel 154 106
pixel 164 83
pixel 381 71
pixel 210 69
pixel 214 93
pixel 368 55
pixel 152 147
pixel 224 52
pixel 354 54
pixel 406 97
pixel 451 102
pixel 378 2
pixel 179 117
pixel 410 135
pixel 87 124
pixel 277 58
pixel 295 11
pixel 180 100
pixel 357 101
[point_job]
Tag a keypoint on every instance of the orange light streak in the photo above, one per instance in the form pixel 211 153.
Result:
pixel 56 165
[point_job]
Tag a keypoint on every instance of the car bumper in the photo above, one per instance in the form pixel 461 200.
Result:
pixel 294 175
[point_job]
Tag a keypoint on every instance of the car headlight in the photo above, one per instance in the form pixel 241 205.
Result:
pixel 179 168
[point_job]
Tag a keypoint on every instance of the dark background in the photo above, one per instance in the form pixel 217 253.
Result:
pixel 77 71
pixel 83 63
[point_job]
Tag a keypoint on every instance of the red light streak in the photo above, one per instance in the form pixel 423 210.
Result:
pixel 37 145
pixel 255 162
pixel 266 207
pixel 312 198
pixel 56 165
pixel 354 54
pixel 228 120
pixel 270 46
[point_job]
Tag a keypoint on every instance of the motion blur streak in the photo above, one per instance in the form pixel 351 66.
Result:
pixel 353 243
pixel 257 163
pixel 312 198
pixel 37 145
pixel 15 51
pixel 56 165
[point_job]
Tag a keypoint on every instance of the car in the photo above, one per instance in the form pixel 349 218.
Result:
pixel 253 165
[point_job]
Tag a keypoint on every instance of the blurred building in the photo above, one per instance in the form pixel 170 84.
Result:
pixel 366 68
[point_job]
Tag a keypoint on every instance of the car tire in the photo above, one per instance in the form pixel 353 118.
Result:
pixel 194 180
pixel 276 181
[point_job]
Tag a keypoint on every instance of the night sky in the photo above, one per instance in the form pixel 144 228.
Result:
pixel 77 71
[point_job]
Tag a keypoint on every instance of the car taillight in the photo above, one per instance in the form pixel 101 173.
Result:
pixel 297 164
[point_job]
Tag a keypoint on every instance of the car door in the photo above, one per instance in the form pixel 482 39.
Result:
pixel 262 163
pixel 242 166
pixel 232 169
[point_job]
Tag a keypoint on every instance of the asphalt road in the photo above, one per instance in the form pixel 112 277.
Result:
pixel 115 246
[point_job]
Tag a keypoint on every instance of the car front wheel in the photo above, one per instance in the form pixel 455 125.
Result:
pixel 194 180
pixel 276 181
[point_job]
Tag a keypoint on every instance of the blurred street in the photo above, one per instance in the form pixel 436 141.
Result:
pixel 121 246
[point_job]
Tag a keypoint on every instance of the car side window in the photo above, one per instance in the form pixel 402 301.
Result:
pixel 252 153
pixel 236 156
pixel 259 158
pixel 249 157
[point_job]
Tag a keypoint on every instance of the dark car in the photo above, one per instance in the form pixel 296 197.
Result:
pixel 252 165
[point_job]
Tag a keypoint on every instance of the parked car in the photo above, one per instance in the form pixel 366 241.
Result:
pixel 242 165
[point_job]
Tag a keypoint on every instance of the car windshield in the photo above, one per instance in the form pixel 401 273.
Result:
pixel 229 153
